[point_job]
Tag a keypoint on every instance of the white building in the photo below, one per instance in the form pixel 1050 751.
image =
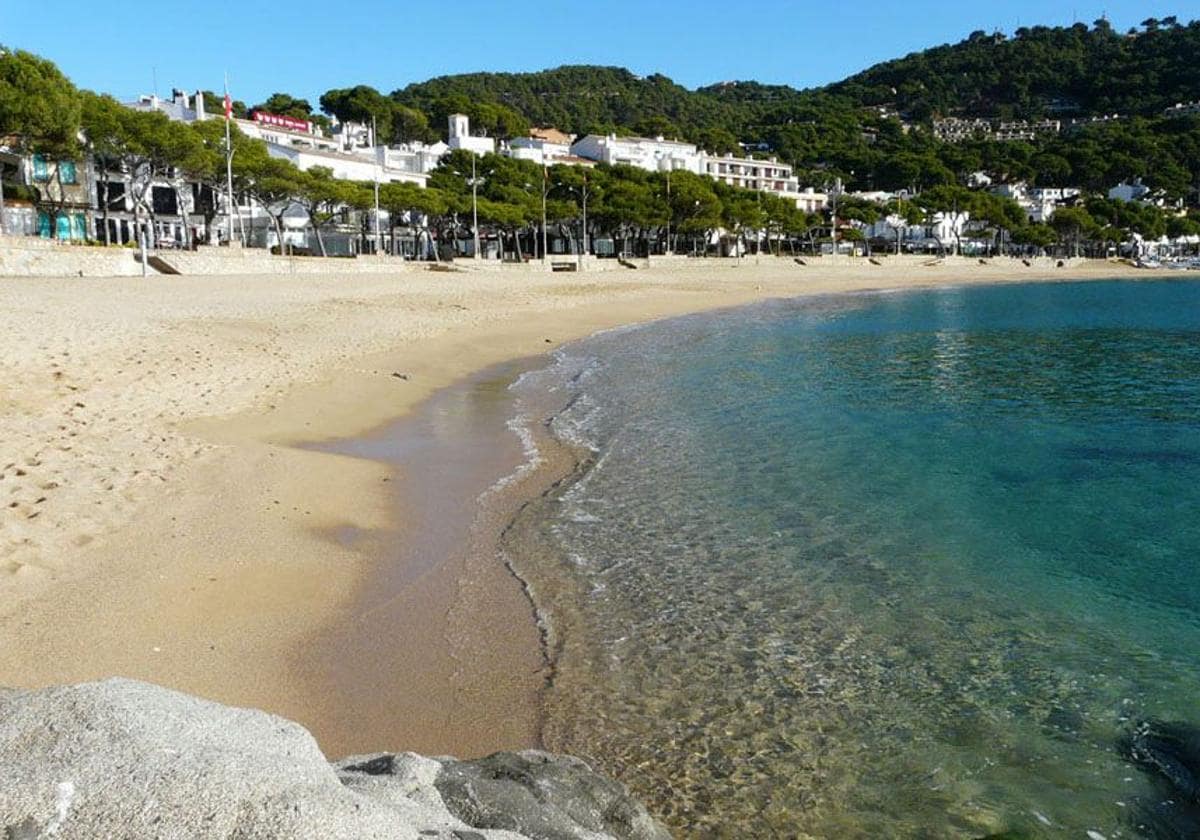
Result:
pixel 752 174
pixel 180 107
pixel 940 232
pixel 979 180
pixel 413 157
pixel 1023 130
pixel 351 167
pixel 874 196
pixel 539 151
pixel 1137 191
pixel 544 146
pixel 1038 203
pixel 284 131
pixel 652 154
pixel 460 137
pixel 271 128
pixel 811 201
pixel 349 151
pixel 657 154
pixel 956 130
pixel 1183 109
pixel 1055 194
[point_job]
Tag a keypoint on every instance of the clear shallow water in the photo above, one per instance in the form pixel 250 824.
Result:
pixel 882 565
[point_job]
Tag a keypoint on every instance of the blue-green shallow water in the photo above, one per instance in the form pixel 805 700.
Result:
pixel 893 565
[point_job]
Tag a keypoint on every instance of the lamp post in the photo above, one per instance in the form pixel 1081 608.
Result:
pixel 545 189
pixel 586 244
pixel 834 194
pixel 474 206
pixel 583 193
pixel 668 248
pixel 1 198
pixel 758 231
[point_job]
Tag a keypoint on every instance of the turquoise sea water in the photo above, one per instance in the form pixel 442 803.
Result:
pixel 885 565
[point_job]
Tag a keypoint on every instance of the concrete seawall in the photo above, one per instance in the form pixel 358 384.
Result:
pixel 34 257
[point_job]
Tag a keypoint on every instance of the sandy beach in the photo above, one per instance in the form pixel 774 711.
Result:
pixel 163 515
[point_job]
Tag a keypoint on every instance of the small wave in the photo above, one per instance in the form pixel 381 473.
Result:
pixel 566 371
pixel 578 423
pixel 521 427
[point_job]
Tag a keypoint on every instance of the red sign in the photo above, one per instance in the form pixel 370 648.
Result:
pixel 289 123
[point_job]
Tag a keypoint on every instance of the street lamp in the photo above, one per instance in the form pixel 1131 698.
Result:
pixel 758 237
pixel 586 244
pixel 583 193
pixel 545 190
pixel 834 194
pixel 668 250
pixel 1 195
pixel 474 206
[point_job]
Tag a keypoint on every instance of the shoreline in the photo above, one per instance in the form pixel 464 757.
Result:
pixel 213 576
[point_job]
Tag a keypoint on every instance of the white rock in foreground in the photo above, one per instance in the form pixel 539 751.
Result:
pixel 124 759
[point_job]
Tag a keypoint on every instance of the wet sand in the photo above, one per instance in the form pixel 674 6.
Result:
pixel 161 520
pixel 456 615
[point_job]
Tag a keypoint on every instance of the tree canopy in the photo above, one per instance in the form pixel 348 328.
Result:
pixel 39 107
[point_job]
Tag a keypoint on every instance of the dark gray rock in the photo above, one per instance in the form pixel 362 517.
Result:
pixel 124 759
pixel 544 796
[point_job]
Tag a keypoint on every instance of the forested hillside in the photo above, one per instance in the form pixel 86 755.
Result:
pixel 1040 71
pixel 872 129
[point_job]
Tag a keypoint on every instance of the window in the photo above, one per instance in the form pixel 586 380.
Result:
pixel 66 172
pixel 164 201
pixel 112 194
pixel 204 199
pixel 41 170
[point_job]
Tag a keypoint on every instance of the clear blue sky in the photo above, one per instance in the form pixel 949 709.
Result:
pixel 305 47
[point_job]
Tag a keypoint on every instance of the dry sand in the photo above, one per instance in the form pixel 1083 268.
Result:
pixel 158 521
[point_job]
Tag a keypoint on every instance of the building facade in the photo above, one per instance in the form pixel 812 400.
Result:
pixel 652 154
pixel 460 137
pixel 660 155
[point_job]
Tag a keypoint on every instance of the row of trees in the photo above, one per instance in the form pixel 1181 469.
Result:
pixel 151 149
pixel 41 111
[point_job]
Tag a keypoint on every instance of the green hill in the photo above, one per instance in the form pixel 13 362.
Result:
pixel 1040 71
pixel 579 99
pixel 872 129
pixel 1077 71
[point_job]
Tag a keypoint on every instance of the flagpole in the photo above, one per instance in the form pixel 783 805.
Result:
pixel 375 170
pixel 229 160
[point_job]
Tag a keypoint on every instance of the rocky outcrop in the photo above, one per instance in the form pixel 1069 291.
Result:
pixel 124 759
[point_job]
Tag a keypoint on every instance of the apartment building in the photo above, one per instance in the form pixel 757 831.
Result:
pixel 657 154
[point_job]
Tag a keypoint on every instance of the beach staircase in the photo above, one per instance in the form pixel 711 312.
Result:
pixel 159 264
